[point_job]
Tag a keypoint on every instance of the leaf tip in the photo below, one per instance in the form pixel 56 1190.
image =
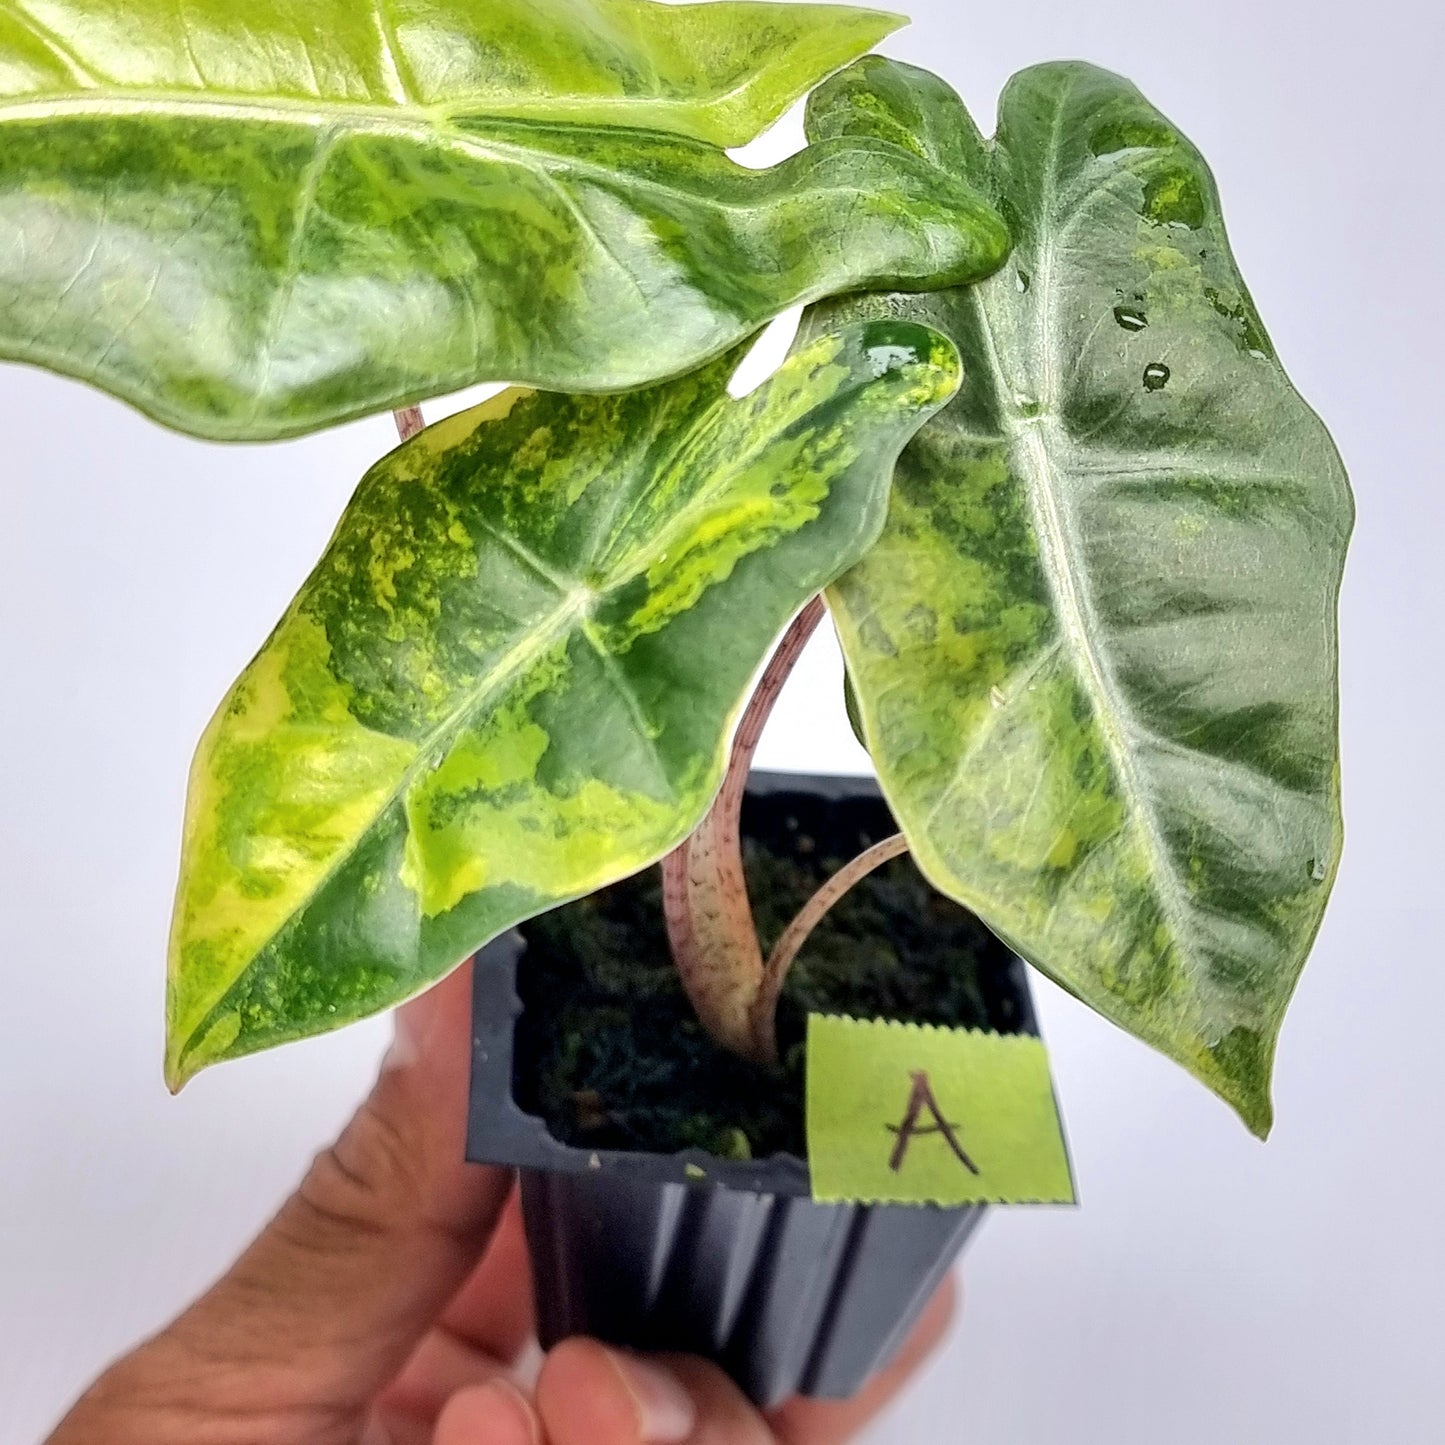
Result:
pixel 1255 1107
pixel 177 1071
pixel 873 23
pixel 1239 1068
pixel 188 1054
pixel 175 1067
pixel 815 42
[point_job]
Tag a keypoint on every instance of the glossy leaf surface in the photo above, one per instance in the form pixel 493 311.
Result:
pixel 255 219
pixel 511 678
pixel 1094 650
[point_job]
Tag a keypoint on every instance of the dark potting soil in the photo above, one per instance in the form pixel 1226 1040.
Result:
pixel 610 1054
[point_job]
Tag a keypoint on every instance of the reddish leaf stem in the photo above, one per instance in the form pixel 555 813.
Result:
pixel 705 895
pixel 408 422
pixel 795 935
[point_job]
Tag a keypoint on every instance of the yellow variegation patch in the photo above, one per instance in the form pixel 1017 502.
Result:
pixel 258 852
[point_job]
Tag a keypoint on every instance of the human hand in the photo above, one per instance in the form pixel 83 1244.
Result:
pixel 389 1300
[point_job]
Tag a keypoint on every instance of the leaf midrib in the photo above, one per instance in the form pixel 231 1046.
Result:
pixel 110 99
pixel 1028 446
pixel 432 125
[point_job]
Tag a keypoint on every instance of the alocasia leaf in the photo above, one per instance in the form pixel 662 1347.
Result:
pixel 511 678
pixel 253 218
pixel 1095 648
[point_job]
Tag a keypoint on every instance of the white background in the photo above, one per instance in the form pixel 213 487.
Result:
pixel 1209 1289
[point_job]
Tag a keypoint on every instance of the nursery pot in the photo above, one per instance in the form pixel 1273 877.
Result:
pixel 726 1258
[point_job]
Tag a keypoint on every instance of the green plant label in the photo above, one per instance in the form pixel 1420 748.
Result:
pixel 907 1114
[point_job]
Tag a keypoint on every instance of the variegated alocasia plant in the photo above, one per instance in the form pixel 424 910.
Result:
pixel 1088 614
pixel 255 219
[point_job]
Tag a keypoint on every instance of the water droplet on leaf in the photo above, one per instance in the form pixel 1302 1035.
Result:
pixel 1318 869
pixel 1130 318
pixel 883 359
pixel 891 344
pixel 995 696
pixel 1021 280
pixel 1156 376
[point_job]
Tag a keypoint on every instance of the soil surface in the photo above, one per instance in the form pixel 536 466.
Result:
pixel 610 1053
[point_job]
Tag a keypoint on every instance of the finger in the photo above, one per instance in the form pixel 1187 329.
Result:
pixel 492 1414
pixel 482 1330
pixel 588 1394
pixel 439 1368
pixel 327 1304
pixel 494 1309
pixel 830 1422
pixel 725 1416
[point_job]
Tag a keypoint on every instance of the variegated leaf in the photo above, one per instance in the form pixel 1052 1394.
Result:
pixel 1094 650
pixel 511 678
pixel 254 218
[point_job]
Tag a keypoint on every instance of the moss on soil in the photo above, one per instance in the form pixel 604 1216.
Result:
pixel 610 1053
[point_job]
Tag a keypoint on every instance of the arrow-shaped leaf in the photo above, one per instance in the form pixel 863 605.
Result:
pixel 1095 649
pixel 253 220
pixel 511 678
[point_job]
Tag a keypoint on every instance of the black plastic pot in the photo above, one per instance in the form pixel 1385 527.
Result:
pixel 728 1259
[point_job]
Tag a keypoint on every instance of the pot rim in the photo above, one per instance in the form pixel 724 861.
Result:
pixel 500 1132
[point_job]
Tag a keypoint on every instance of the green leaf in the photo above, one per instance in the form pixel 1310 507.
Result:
pixel 255 219
pixel 716 72
pixel 512 677
pixel 1095 648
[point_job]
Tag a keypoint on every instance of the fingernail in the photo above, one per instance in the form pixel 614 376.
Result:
pixel 665 1412
pixel 521 1409
pixel 494 1412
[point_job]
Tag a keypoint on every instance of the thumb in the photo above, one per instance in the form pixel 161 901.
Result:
pixel 320 1313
